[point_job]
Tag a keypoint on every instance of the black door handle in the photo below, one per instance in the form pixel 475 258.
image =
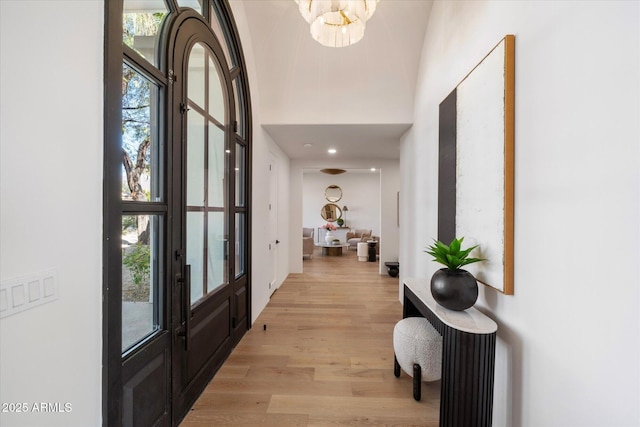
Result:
pixel 185 282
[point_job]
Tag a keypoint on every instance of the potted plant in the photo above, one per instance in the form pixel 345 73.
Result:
pixel 453 287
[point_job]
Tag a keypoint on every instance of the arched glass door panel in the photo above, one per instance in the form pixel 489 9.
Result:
pixel 216 104
pixel 222 38
pixel 207 154
pixel 240 129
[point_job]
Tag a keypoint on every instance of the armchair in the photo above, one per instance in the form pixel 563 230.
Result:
pixel 307 242
pixel 357 236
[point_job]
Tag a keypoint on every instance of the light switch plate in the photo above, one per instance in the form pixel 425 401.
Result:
pixel 24 293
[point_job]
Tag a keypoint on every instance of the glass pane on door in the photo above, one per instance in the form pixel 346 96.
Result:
pixel 196 83
pixel 207 245
pixel 216 94
pixel 239 111
pixel 196 162
pixel 141 241
pixel 141 171
pixel 240 174
pixel 195 253
pixel 240 257
pixel 193 4
pixel 217 155
pixel 216 26
pixel 217 266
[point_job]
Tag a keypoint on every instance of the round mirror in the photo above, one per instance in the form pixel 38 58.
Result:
pixel 333 193
pixel 331 212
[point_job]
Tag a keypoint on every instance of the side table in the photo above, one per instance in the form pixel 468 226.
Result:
pixel 372 250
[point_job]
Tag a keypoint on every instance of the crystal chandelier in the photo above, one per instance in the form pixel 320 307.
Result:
pixel 337 23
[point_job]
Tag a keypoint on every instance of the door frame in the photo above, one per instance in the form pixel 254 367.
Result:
pixel 273 222
pixel 115 367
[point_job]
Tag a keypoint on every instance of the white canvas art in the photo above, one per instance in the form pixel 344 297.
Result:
pixel 480 166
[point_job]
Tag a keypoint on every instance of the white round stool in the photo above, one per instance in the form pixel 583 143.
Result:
pixel 417 349
pixel 363 251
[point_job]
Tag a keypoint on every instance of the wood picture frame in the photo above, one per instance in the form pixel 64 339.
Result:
pixel 476 165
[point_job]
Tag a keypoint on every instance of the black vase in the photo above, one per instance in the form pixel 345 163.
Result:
pixel 454 289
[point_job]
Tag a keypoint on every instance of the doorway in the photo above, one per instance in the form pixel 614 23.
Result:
pixel 177 213
pixel 273 222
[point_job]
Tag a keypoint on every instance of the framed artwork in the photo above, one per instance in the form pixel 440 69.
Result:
pixel 476 165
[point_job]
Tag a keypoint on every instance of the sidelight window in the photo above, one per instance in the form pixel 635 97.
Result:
pixel 141 150
pixel 141 278
pixel 141 22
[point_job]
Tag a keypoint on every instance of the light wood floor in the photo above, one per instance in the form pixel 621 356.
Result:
pixel 325 358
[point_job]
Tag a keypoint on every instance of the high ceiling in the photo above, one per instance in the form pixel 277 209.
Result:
pixel 357 99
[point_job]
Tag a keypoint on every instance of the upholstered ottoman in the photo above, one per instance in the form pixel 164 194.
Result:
pixel 418 351
pixel 363 251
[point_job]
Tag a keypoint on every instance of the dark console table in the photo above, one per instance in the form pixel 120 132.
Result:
pixel 468 356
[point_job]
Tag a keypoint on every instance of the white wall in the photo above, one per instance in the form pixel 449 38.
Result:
pixel 360 193
pixel 293 74
pixel 263 148
pixel 51 80
pixel 389 214
pixel 568 341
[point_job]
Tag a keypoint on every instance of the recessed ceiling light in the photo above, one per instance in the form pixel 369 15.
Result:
pixel 332 151
pixel 307 145
pixel 373 169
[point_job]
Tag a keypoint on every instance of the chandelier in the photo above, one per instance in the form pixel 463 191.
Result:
pixel 337 23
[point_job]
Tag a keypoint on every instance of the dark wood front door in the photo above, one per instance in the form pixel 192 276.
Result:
pixel 209 303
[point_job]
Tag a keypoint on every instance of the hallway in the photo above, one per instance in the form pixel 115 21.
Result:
pixel 325 358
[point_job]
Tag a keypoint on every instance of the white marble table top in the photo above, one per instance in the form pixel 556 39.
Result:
pixel 470 320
